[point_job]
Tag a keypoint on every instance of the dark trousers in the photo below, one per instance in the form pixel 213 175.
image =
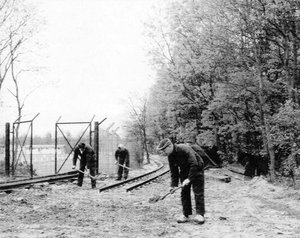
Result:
pixel 81 175
pixel 121 170
pixel 198 189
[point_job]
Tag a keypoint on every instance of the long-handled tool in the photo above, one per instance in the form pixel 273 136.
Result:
pixel 123 166
pixel 87 174
pixel 158 198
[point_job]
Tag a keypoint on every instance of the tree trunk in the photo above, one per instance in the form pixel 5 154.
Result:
pixel 145 145
pixel 295 67
pixel 268 145
pixel 271 154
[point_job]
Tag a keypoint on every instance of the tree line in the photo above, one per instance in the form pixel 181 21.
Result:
pixel 228 77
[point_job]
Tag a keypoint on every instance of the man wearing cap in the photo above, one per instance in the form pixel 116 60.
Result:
pixel 122 160
pixel 87 159
pixel 187 166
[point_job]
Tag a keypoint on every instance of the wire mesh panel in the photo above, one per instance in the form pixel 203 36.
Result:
pixel 64 129
pixel 2 150
pixel 108 143
pixel 136 153
pixel 21 162
pixel 44 160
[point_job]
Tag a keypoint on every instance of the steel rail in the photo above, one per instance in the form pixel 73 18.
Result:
pixel 130 180
pixel 10 185
pixel 4 186
pixel 139 184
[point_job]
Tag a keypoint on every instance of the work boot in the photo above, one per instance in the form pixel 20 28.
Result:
pixel 118 179
pixel 199 219
pixel 182 219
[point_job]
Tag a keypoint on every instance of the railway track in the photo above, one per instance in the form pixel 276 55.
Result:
pixel 149 180
pixel 135 182
pixel 8 186
pixel 138 181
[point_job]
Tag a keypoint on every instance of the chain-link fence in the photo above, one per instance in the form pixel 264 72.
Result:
pixel 108 143
pixel 43 160
pixel 2 149
pixel 43 155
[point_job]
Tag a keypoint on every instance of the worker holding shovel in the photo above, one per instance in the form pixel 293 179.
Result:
pixel 87 159
pixel 187 166
pixel 122 160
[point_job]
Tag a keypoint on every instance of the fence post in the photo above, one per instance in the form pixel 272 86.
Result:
pixel 7 149
pixel 96 144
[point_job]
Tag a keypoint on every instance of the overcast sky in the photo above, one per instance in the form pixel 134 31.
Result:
pixel 93 54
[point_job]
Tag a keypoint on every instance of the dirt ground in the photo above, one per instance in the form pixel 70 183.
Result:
pixel 240 208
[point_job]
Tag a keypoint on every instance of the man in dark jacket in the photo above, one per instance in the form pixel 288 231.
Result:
pixel 87 159
pixel 187 166
pixel 122 160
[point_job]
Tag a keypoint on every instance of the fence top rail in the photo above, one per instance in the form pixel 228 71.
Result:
pixel 79 122
pixel 19 122
pixel 74 122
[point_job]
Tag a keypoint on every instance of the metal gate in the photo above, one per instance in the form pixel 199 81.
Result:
pixel 19 144
pixel 58 128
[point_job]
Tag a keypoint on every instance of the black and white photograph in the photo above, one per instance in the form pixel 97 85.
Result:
pixel 150 118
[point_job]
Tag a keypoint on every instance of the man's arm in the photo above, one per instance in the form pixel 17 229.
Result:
pixel 117 154
pixel 174 173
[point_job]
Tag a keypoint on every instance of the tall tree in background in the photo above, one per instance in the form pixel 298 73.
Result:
pixel 20 25
pixel 177 53
pixel 235 63
pixel 138 125
pixel 15 24
pixel 23 27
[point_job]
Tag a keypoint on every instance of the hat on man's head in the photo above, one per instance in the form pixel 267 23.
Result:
pixel 163 144
pixel 81 145
pixel 121 146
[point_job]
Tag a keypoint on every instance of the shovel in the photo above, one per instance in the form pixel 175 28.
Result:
pixel 159 198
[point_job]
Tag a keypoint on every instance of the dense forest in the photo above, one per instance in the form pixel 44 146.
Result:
pixel 228 78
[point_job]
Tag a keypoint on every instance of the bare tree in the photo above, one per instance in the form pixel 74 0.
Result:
pixel 139 124
pixel 6 23
pixel 18 23
pixel 19 27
